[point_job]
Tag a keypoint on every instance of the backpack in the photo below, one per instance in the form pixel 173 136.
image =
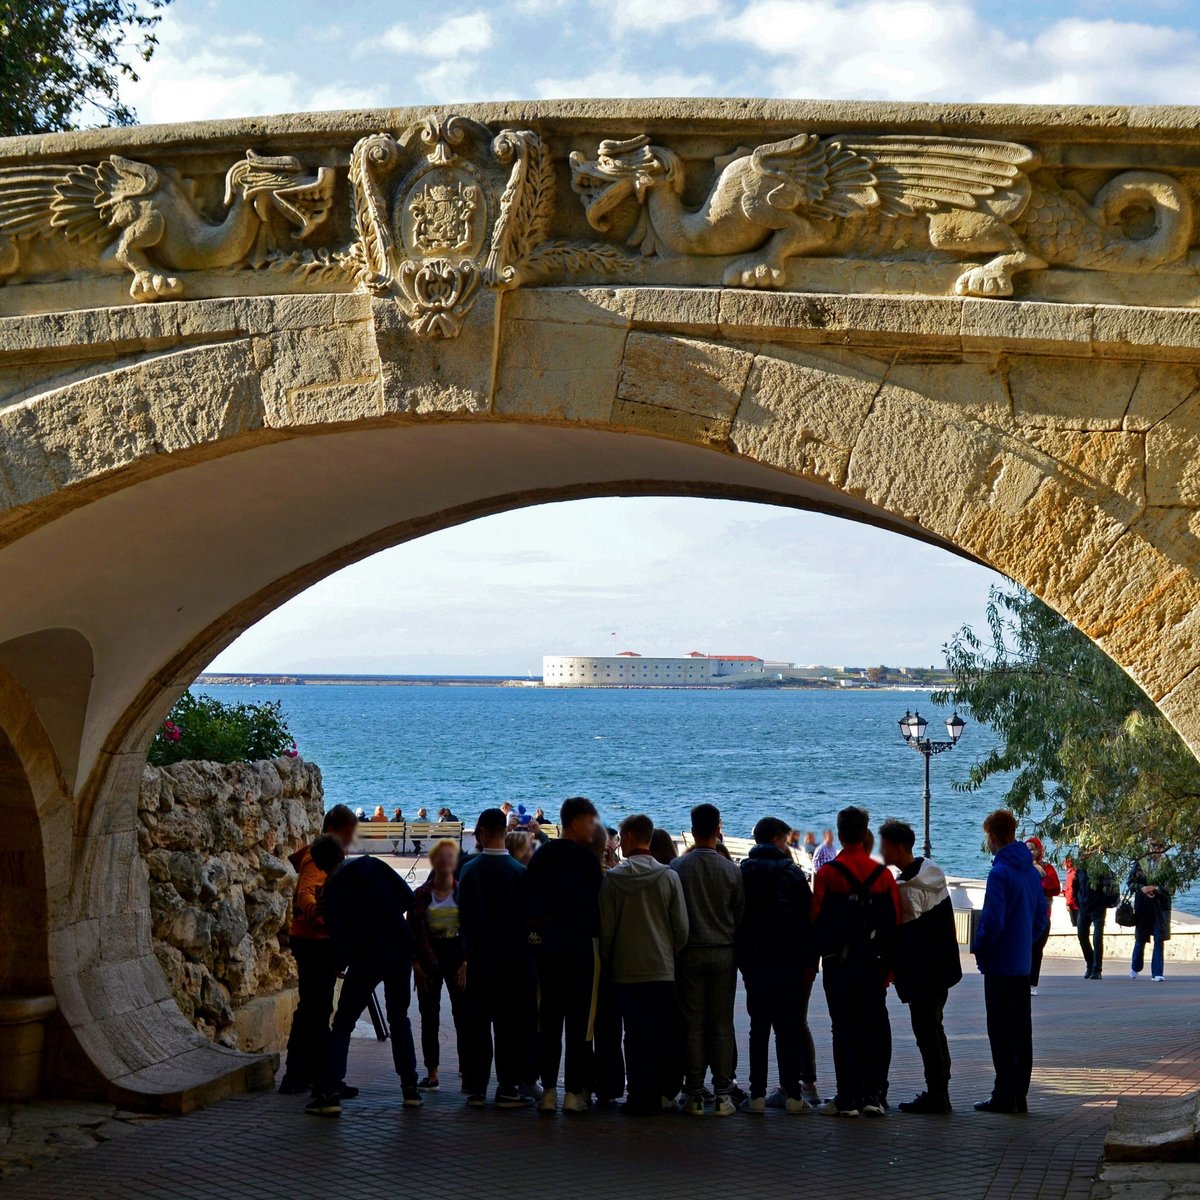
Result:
pixel 859 924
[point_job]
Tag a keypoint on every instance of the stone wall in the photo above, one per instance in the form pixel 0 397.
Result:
pixel 215 839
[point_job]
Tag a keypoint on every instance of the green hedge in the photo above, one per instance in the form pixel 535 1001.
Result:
pixel 210 730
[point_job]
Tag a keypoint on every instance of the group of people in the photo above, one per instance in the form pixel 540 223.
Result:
pixel 622 973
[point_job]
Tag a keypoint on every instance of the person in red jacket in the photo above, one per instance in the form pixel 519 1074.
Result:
pixel 1050 889
pixel 855 913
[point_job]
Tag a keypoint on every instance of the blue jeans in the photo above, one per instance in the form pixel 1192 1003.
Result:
pixel 1156 955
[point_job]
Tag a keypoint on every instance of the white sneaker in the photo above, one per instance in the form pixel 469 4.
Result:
pixel 808 1091
pixel 549 1101
pixel 1033 991
pixel 1133 974
pixel 1157 978
pixel 830 1109
pixel 796 1107
pixel 777 1099
pixel 694 1106
pixel 575 1102
pixel 755 1104
pixel 723 1106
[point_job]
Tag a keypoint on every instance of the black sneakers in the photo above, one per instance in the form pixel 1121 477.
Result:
pixel 938 1106
pixel 324 1106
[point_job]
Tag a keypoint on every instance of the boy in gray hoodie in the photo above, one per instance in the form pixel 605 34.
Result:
pixel 643 926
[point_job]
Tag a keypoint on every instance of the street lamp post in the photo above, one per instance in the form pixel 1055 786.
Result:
pixel 912 729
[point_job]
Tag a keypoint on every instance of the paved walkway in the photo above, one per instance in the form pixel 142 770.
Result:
pixel 1092 1042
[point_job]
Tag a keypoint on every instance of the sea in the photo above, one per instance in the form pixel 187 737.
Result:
pixel 795 754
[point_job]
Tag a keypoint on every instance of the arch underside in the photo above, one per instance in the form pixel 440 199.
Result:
pixel 172 471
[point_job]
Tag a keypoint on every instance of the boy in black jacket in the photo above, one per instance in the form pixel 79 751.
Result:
pixel 777 957
pixel 365 905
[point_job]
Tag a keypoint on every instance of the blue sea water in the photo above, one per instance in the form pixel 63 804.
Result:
pixel 799 755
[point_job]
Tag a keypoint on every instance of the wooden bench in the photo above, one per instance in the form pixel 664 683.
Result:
pixel 738 848
pixel 551 831
pixel 422 834
pixel 381 831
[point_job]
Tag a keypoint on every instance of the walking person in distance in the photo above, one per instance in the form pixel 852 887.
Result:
pixel 927 964
pixel 1095 892
pixel 1013 918
pixel 1149 881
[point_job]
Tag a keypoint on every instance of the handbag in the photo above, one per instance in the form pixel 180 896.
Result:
pixel 1124 914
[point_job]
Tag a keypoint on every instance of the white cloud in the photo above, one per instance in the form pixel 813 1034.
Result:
pixel 470 33
pixel 657 14
pixel 618 83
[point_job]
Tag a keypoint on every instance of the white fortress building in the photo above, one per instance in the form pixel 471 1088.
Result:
pixel 630 669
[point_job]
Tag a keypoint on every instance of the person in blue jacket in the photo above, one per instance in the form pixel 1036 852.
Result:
pixel 1013 918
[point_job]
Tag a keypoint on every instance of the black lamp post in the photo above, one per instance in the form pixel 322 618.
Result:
pixel 912 729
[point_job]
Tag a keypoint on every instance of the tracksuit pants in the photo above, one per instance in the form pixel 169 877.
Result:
pixel 926 1013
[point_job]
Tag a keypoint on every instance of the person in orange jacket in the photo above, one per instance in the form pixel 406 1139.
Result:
pixel 316 965
pixel 1050 888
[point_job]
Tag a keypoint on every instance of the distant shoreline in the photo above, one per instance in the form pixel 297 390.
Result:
pixel 221 679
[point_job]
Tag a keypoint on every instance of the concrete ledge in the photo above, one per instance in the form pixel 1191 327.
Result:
pixel 1155 1129
pixel 194 1080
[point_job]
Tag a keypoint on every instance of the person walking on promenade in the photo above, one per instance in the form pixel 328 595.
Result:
pixel 778 961
pixel 366 906
pixel 1013 917
pixel 1050 888
pixel 1149 882
pixel 562 896
pixel 706 972
pixel 856 909
pixel 316 962
pixel 643 926
pixel 1095 892
pixel 434 922
pixel 825 853
pixel 498 969
pixel 927 961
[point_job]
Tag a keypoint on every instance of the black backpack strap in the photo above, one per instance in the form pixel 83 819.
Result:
pixel 845 871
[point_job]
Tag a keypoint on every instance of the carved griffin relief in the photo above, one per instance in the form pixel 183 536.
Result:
pixel 448 207
pixel 127 214
pixel 808 195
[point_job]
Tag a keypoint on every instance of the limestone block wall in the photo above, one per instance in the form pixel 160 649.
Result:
pixel 215 841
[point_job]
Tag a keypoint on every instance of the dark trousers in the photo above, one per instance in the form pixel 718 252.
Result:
pixel 448 953
pixel 862 1033
pixel 706 987
pixel 925 1013
pixel 567 983
pixel 1010 1032
pixel 316 967
pixel 608 1058
pixel 361 980
pixel 646 1010
pixel 777 999
pixel 1091 940
pixel 499 1014
pixel 1039 948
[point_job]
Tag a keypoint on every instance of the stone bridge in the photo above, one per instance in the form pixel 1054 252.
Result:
pixel 236 357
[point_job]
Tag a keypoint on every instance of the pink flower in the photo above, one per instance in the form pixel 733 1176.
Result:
pixel 171 731
pixel 292 753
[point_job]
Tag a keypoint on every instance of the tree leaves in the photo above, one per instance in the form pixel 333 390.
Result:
pixel 209 730
pixel 63 62
pixel 1093 761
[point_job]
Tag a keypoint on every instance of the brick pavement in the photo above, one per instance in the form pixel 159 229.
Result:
pixel 1092 1041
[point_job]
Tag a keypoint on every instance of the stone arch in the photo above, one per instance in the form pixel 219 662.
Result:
pixel 173 470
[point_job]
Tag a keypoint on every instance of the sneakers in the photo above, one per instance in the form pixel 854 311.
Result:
pixel 808 1091
pixel 874 1107
pixel 723 1106
pixel 831 1109
pixel 928 1105
pixel 1156 979
pixel 669 1104
pixel 738 1093
pixel 998 1106
pixel 548 1104
pixel 754 1104
pixel 575 1102
pixel 531 1092
pixel 428 1085
pixel 347 1091
pixel 293 1087
pixel 324 1106
pixel 412 1097
pixel 511 1099
pixel 1033 991
pixel 476 1100
pixel 778 1098
pixel 694 1106
pixel 798 1107
pixel 1133 974
pixel 1098 975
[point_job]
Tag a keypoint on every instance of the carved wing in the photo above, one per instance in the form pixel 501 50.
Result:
pixel 899 176
pixel 308 203
pixel 42 201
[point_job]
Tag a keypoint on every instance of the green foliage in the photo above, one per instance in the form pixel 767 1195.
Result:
pixel 64 59
pixel 1093 761
pixel 203 728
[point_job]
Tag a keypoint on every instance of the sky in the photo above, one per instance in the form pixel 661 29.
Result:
pixel 664 575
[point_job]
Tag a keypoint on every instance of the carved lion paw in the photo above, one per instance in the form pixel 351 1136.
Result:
pixel 148 286
pixel 755 274
pixel 985 281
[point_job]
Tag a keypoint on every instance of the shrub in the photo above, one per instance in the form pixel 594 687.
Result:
pixel 201 727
